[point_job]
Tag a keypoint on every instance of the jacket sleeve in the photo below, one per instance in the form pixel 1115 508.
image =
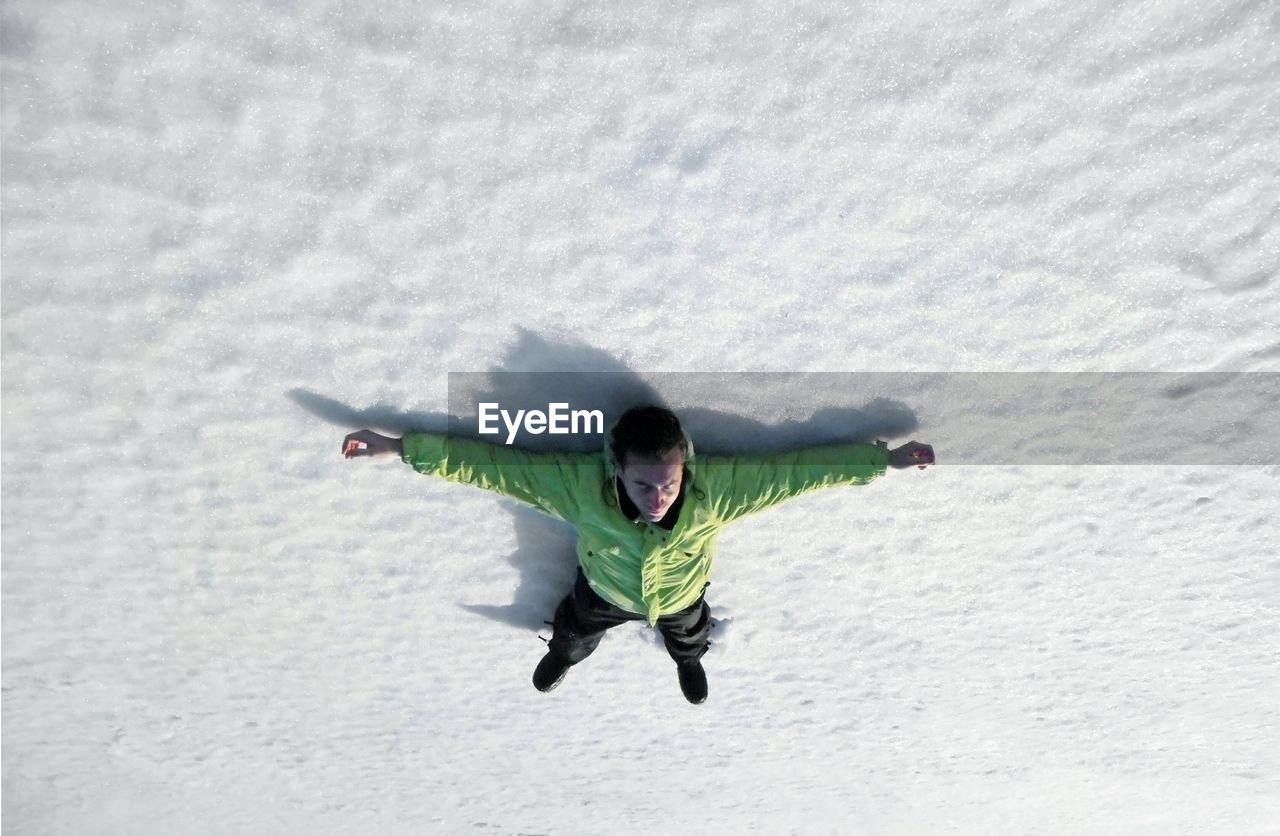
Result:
pixel 740 485
pixel 547 481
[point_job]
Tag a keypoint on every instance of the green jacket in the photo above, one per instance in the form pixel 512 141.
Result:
pixel 637 565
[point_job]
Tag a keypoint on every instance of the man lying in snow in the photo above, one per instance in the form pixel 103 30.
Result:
pixel 647 513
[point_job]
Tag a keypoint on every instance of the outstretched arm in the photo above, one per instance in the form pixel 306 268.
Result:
pixel 551 482
pixel 741 485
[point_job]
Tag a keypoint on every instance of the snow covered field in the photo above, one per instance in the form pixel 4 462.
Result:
pixel 234 231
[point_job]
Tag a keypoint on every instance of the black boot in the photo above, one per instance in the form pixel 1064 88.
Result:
pixel 693 681
pixel 549 673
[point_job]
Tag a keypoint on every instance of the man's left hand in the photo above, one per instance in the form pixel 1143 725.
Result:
pixel 911 453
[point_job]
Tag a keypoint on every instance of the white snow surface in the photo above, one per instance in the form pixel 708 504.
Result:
pixel 232 232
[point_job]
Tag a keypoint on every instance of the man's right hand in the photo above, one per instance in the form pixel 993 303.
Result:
pixel 370 443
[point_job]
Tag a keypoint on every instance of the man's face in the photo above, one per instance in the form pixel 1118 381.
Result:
pixel 653 484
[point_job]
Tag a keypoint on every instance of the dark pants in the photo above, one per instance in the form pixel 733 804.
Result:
pixel 583 617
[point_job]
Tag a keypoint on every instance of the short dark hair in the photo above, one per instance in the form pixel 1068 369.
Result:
pixel 647 431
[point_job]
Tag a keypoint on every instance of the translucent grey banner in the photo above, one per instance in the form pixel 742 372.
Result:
pixel 970 418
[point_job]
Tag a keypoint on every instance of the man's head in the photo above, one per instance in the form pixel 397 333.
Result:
pixel 649 449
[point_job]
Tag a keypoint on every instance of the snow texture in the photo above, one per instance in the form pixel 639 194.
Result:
pixel 234 231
